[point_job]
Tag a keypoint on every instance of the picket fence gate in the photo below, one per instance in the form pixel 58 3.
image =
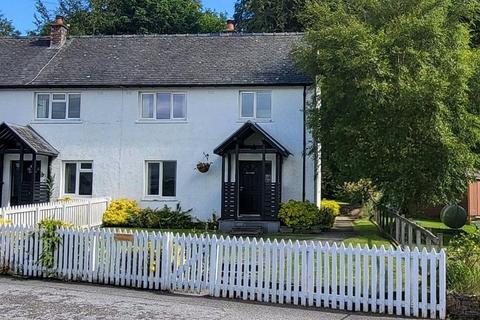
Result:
pixel 381 280
pixel 78 212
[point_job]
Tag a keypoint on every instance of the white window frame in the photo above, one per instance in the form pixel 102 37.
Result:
pixel 160 180
pixel 255 93
pixel 50 109
pixel 77 177
pixel 154 118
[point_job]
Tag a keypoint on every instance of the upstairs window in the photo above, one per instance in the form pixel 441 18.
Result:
pixel 163 106
pixel 58 106
pixel 161 178
pixel 256 104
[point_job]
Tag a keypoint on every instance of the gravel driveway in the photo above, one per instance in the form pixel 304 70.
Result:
pixel 33 299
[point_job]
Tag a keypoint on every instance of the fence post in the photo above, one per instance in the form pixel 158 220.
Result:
pixel 166 265
pixel 213 266
pixel 37 216
pixel 64 210
pixel 89 213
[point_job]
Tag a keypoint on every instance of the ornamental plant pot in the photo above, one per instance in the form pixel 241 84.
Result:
pixel 203 166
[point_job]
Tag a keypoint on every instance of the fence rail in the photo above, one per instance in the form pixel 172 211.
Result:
pixel 384 280
pixel 79 212
pixel 403 231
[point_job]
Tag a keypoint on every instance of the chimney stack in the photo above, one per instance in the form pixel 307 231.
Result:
pixel 58 34
pixel 230 25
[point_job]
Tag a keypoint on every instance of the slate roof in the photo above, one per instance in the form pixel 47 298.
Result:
pixel 28 136
pixel 156 60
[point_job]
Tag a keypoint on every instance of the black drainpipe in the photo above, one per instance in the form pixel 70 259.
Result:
pixel 304 140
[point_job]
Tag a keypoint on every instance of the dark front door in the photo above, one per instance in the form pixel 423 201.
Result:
pixel 27 181
pixel 251 181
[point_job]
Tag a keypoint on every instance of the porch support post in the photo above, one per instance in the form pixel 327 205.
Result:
pixel 237 178
pixel 262 189
pixel 229 167
pixel 223 185
pixel 278 181
pixel 1 178
pixel 19 186
pixel 34 175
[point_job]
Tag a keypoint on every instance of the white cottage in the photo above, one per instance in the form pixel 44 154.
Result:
pixel 131 116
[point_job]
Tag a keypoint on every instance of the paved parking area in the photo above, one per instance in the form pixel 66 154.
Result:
pixel 34 299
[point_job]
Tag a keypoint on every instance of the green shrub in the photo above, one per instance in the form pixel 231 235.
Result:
pixel 356 193
pixel 329 210
pixel 165 218
pixel 298 214
pixel 50 241
pixel 463 264
pixel 119 213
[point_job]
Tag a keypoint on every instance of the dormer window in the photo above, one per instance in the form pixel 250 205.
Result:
pixel 256 104
pixel 57 106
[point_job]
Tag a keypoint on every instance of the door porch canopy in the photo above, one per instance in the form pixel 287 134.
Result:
pixel 21 140
pixel 250 139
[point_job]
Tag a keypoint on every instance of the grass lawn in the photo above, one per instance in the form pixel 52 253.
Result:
pixel 367 233
pixel 436 226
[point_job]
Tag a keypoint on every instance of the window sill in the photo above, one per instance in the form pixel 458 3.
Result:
pixel 57 122
pixel 258 120
pixel 161 121
pixel 159 199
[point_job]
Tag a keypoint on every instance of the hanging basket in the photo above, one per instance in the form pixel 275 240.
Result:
pixel 203 167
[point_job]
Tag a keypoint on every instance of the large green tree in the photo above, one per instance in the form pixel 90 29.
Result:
pixel 6 27
pixel 399 103
pixel 132 17
pixel 269 15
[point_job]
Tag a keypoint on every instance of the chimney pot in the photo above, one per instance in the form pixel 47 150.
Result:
pixel 58 33
pixel 230 25
pixel 59 20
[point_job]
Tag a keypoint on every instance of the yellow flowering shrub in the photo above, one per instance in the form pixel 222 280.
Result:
pixel 5 221
pixel 119 212
pixel 298 214
pixel 329 210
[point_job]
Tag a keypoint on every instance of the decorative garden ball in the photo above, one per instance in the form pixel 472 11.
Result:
pixel 453 216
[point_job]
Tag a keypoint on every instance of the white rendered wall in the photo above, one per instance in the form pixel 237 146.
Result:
pixel 111 135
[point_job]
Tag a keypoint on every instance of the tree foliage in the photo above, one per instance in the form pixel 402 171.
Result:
pixel 132 17
pixel 269 15
pixel 6 27
pixel 399 95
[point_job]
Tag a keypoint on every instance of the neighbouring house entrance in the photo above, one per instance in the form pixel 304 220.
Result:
pixel 21 180
pixel 16 176
pixel 251 181
pixel 252 162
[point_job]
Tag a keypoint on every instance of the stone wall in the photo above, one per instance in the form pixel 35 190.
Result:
pixel 463 306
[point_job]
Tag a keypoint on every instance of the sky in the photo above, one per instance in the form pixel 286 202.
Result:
pixel 21 11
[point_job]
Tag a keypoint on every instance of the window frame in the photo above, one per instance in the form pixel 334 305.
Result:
pixel 160 195
pixel 255 104
pixel 50 106
pixel 154 117
pixel 78 171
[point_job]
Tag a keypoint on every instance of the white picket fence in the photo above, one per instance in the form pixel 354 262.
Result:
pixel 79 212
pixel 393 281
